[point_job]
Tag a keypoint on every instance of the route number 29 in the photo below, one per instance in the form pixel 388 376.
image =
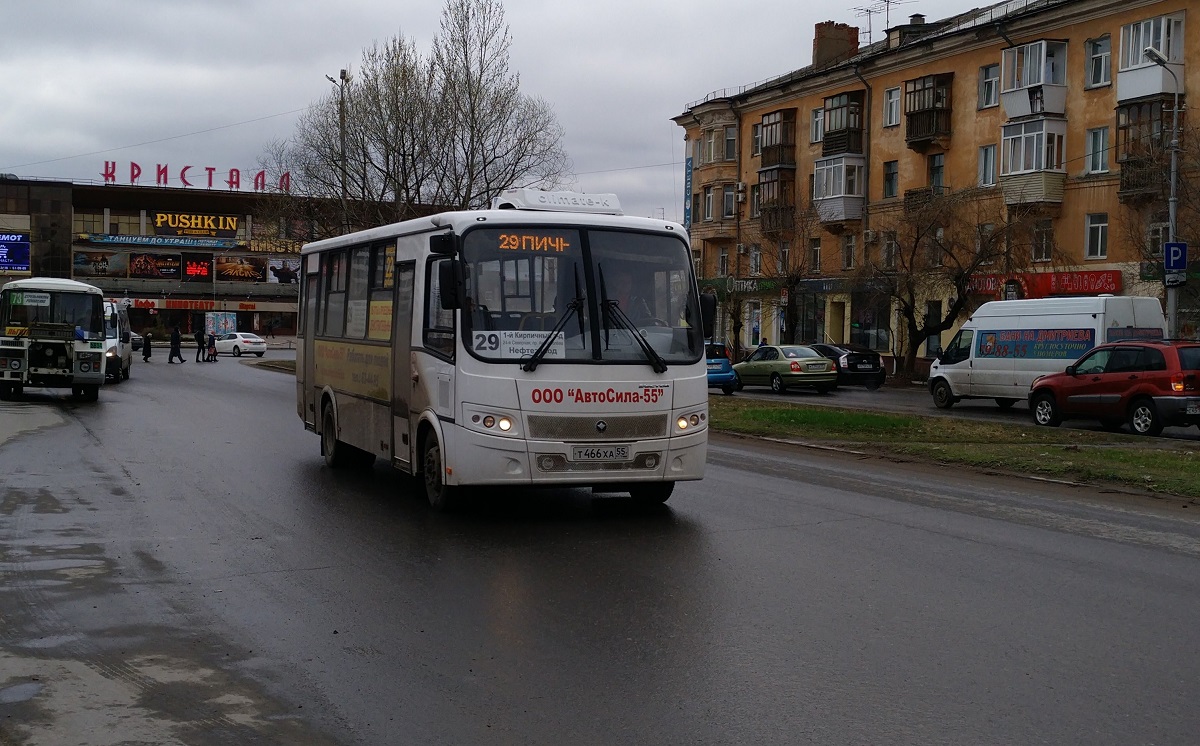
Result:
pixel 487 341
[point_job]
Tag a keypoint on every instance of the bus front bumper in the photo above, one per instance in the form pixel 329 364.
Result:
pixel 489 459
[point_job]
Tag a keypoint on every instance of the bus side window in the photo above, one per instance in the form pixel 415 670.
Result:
pixel 439 322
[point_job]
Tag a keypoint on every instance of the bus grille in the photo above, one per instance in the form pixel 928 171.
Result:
pixel 615 427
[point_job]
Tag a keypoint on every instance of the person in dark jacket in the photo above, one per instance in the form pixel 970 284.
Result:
pixel 212 347
pixel 199 337
pixel 146 347
pixel 176 343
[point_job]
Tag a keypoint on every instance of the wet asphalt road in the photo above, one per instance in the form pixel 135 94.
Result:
pixel 179 567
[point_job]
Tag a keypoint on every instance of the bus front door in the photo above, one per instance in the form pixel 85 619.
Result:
pixel 402 315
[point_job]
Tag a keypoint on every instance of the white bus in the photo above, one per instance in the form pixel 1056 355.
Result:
pixel 51 335
pixel 550 341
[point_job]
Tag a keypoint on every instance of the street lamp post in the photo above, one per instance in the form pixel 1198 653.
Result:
pixel 1160 59
pixel 341 84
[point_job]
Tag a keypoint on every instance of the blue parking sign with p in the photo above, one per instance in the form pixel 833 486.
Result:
pixel 1175 257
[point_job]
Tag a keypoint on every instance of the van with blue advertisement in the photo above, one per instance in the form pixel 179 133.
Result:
pixel 1006 344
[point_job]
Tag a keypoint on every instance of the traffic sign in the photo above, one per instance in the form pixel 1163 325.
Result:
pixel 1175 257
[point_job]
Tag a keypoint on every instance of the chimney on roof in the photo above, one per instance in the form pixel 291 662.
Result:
pixel 834 42
pixel 916 19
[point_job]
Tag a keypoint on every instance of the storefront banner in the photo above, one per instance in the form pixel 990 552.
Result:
pixel 173 241
pixel 194 224
pixel 241 269
pixel 198 268
pixel 154 266
pixel 14 252
pixel 99 264
pixel 1035 344
pixel 286 271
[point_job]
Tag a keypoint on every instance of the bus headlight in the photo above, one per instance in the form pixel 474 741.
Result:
pixel 691 421
pixel 493 422
pixel 505 424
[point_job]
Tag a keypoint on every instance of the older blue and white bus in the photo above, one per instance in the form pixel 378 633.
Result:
pixel 51 335
pixel 548 341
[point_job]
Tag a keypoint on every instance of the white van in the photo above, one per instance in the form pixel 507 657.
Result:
pixel 118 342
pixel 1006 344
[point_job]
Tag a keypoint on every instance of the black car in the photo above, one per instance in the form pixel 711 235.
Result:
pixel 856 366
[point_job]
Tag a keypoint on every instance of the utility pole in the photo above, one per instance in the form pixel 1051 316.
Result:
pixel 1160 59
pixel 341 84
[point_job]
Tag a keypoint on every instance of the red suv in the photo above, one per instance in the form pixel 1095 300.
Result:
pixel 1147 384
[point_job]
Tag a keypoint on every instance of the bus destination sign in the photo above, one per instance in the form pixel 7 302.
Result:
pixel 533 242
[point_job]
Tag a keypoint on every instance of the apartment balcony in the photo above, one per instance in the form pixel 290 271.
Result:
pixel 777 218
pixel 1034 187
pixel 928 128
pixel 839 209
pixel 918 199
pixel 1142 180
pixel 778 156
pixel 1148 80
pixel 840 142
pixel 1048 98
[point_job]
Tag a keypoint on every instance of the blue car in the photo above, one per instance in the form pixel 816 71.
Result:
pixel 720 368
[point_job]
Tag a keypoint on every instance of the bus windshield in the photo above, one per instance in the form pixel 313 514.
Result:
pixel 597 288
pixel 23 308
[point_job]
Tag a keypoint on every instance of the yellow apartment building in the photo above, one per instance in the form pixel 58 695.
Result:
pixel 1019 150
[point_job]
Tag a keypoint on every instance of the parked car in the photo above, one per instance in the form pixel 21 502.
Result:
pixel 856 366
pixel 720 368
pixel 1147 384
pixel 136 340
pixel 237 343
pixel 784 366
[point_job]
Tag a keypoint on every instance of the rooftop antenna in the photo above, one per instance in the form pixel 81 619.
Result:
pixel 868 11
pixel 887 9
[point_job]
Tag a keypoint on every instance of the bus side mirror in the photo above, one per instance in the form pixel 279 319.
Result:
pixel 708 313
pixel 452 284
pixel 125 337
pixel 442 244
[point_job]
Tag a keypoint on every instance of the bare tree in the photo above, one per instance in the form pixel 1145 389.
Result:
pixel 450 130
pixel 936 248
pixel 782 237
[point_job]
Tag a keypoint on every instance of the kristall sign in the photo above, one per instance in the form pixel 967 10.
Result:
pixel 163 174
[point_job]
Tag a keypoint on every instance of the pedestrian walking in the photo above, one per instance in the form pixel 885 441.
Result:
pixel 199 337
pixel 146 347
pixel 176 347
pixel 212 347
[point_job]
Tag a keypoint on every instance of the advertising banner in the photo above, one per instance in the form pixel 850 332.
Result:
pixel 220 322
pixel 99 264
pixel 198 268
pixel 14 252
pixel 154 266
pixel 241 269
pixel 286 271
pixel 194 224
pixel 1038 344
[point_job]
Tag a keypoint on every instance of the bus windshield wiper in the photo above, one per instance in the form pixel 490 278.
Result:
pixel 574 307
pixel 656 361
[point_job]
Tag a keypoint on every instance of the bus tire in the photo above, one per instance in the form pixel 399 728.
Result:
pixel 651 493
pixel 336 453
pixel 442 497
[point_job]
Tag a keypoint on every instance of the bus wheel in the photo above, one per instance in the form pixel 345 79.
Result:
pixel 441 496
pixel 336 452
pixel 652 493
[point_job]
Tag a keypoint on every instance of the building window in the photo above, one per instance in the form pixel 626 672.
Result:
pixel 891 247
pixel 817 129
pixel 987 165
pixel 711 147
pixel 1039 63
pixel 837 177
pixel 891 107
pixel 814 256
pixel 728 203
pixel 984 233
pixel 1164 33
pixel 1043 240
pixel 755 138
pixel 698 152
pixel 1140 129
pixel 1099 62
pixel 784 265
pixel 891 178
pixel 708 203
pixel 1097 150
pixel 755 259
pixel 989 86
pixel 843 113
pixel 1097 235
pixel 731 143
pixel 933 315
pixel 1033 146
pixel 849 249
pixel 937 171
pixel 1156 239
pixel 936 247
pixel 723 263
pixel 88 222
pixel 755 200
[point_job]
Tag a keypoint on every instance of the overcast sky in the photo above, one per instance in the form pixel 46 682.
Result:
pixel 211 82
